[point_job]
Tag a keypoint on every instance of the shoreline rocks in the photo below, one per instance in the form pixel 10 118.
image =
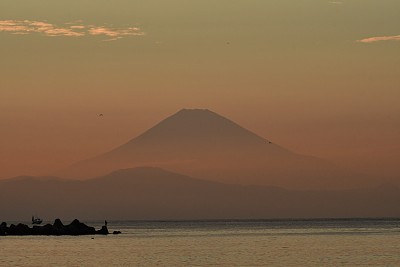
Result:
pixel 75 228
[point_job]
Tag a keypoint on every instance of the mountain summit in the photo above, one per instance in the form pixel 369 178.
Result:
pixel 203 144
pixel 198 125
pixel 190 131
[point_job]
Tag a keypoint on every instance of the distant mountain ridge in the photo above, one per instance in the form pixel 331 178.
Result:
pixel 155 194
pixel 203 144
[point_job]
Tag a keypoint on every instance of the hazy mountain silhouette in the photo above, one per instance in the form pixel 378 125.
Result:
pixel 203 144
pixel 153 193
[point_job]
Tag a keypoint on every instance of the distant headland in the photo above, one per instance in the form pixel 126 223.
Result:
pixel 57 228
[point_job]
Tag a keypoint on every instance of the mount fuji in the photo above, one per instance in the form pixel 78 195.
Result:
pixel 202 144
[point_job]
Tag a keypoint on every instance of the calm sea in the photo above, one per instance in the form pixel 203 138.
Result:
pixel 350 242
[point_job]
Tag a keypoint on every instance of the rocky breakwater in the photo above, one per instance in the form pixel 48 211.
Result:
pixel 57 228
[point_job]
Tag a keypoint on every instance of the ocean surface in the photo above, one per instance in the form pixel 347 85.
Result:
pixel 347 242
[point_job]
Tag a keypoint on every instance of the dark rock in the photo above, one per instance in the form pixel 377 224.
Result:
pixel 58 224
pixel 58 228
pixel 11 230
pixel 103 231
pixel 116 232
pixel 19 229
pixel 78 228
pixel 42 230
pixel 3 228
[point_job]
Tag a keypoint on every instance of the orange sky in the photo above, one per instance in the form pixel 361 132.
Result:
pixel 316 77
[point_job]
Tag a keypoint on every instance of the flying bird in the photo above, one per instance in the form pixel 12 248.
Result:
pixel 100 115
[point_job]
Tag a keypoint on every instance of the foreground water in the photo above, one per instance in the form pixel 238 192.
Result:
pixel 352 242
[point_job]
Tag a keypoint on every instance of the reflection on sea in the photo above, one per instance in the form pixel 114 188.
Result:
pixel 348 242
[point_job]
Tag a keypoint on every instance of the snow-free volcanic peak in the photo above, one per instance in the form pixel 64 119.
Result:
pixel 202 144
pixel 191 126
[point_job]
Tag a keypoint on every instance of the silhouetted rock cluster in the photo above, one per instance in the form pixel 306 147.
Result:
pixel 58 228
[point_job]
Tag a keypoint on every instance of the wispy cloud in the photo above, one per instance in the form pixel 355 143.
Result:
pixel 69 29
pixel 380 39
pixel 116 33
pixel 336 2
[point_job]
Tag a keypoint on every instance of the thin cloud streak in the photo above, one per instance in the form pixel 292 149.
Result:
pixel 115 32
pixel 380 39
pixel 335 2
pixel 74 29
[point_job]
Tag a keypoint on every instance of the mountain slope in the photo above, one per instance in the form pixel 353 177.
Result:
pixel 203 144
pixel 153 193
